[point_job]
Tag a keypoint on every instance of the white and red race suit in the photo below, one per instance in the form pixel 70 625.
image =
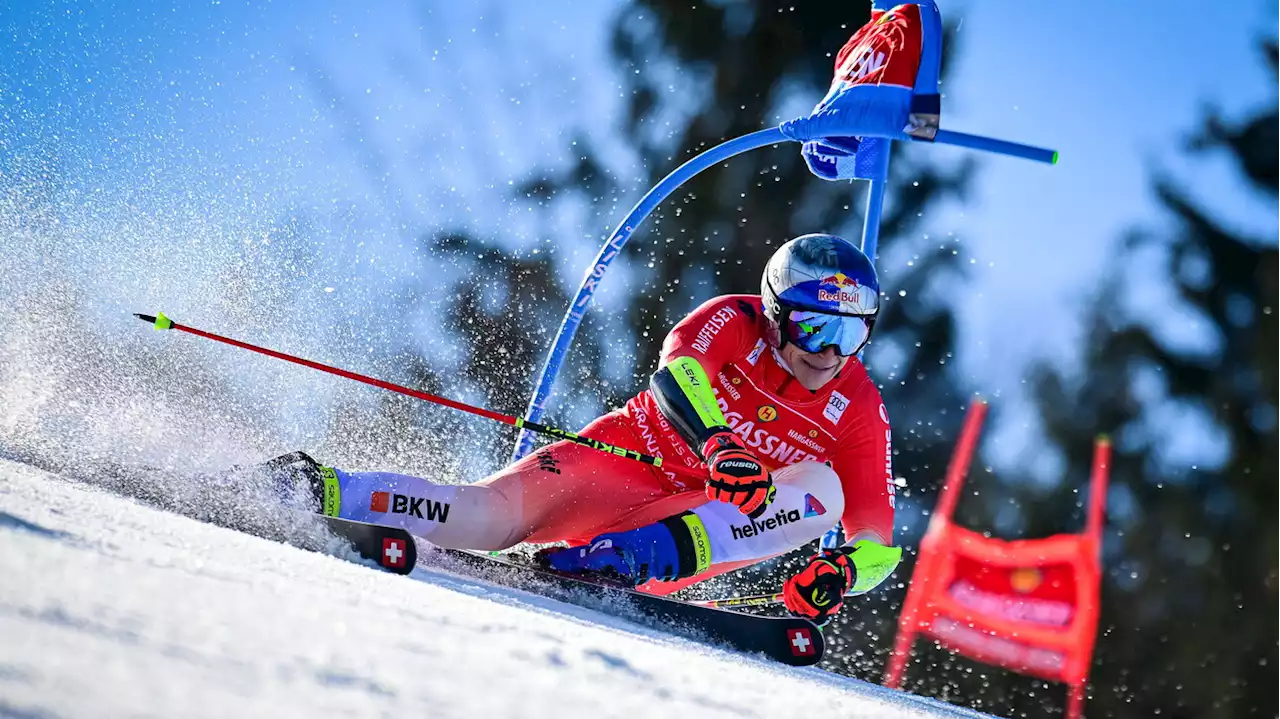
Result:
pixel 844 423
pixel 829 453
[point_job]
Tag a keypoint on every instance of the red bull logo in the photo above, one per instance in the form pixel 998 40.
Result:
pixel 839 279
pixel 847 292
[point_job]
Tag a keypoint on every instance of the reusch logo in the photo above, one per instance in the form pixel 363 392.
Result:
pixel 384 502
pixel 757 526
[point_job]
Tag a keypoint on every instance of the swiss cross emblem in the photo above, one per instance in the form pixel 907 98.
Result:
pixel 801 642
pixel 393 553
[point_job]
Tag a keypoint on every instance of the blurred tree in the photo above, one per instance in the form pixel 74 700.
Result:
pixel 488 311
pixel 1189 624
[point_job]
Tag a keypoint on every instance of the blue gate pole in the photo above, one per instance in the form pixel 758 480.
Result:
pixel 611 250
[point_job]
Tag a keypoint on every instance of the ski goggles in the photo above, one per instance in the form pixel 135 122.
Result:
pixel 815 331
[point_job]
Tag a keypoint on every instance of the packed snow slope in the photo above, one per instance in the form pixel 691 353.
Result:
pixel 112 608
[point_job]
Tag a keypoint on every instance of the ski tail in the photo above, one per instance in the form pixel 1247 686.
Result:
pixel 391 548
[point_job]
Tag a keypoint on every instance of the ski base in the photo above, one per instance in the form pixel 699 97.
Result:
pixel 391 548
pixel 790 640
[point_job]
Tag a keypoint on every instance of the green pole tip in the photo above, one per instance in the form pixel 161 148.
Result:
pixel 1054 161
pixel 162 322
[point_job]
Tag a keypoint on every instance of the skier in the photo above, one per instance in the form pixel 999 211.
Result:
pixel 763 394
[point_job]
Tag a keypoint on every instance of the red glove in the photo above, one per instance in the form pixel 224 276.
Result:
pixel 737 477
pixel 817 591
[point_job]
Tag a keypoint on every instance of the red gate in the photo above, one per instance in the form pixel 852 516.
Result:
pixel 1029 606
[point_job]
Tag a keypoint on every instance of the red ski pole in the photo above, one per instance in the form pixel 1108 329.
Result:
pixel 160 322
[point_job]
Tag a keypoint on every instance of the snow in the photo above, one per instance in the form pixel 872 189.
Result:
pixel 112 608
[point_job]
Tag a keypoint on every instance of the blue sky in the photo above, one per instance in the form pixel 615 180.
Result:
pixel 385 121
pixel 1117 88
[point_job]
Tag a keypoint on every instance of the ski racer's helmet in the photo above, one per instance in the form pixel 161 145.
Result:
pixel 819 291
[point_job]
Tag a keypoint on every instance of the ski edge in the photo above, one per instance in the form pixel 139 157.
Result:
pixel 793 641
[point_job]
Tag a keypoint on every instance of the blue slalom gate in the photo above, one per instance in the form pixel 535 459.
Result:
pixel 868 117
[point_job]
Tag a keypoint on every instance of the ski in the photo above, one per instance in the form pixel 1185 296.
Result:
pixel 391 548
pixel 790 640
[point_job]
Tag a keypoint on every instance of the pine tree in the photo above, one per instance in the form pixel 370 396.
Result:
pixel 1189 620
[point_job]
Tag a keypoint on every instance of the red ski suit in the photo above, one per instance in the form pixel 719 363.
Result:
pixel 572 493
pixel 844 423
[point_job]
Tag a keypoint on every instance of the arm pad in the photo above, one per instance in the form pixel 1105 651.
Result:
pixel 684 396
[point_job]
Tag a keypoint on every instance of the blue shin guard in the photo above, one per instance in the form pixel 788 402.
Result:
pixel 673 548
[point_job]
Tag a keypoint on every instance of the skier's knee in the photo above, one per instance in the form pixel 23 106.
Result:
pixel 490 519
pixel 808 502
pixel 820 484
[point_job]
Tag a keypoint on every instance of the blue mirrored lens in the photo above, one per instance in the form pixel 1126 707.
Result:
pixel 814 331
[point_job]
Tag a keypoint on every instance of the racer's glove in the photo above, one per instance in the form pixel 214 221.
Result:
pixel 737 477
pixel 817 592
